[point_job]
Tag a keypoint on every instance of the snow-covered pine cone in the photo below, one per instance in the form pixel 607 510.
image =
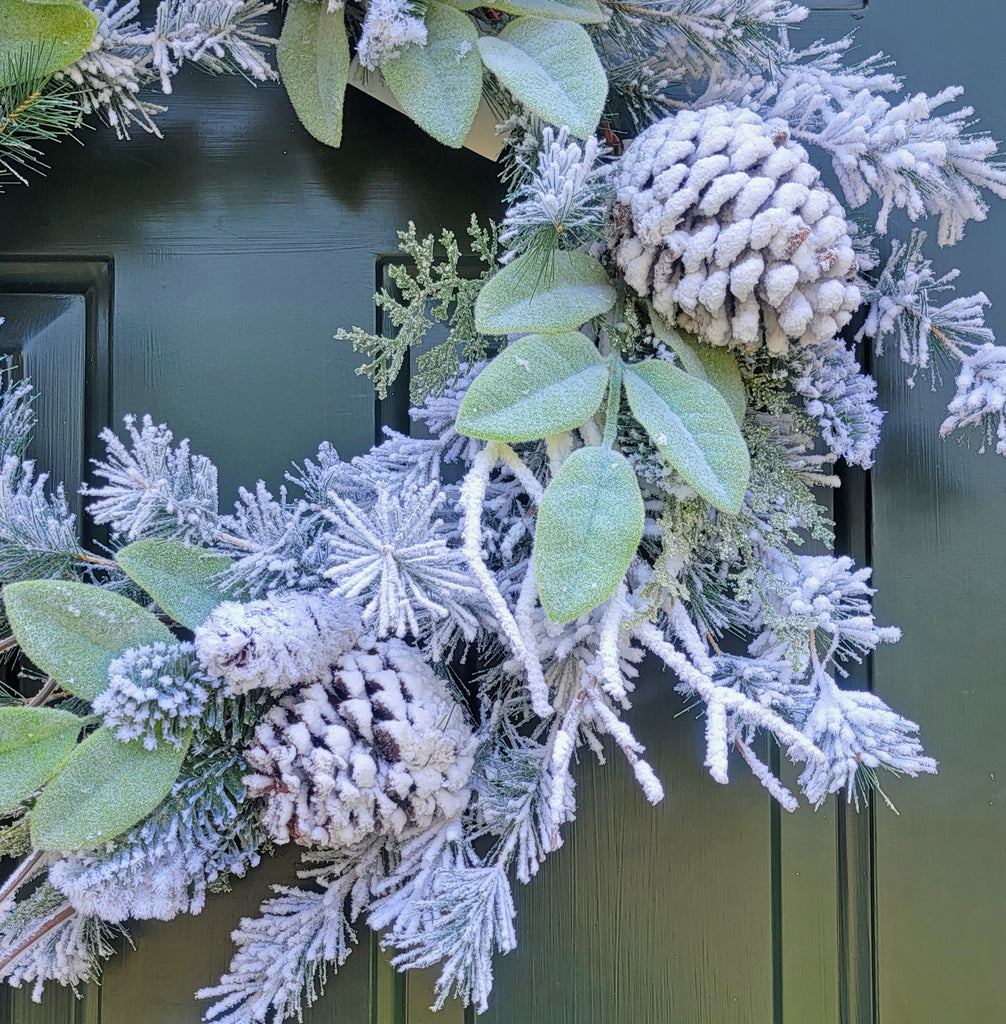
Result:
pixel 721 221
pixel 374 745
pixel 277 642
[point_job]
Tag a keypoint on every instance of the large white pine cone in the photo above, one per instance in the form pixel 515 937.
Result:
pixel 375 745
pixel 721 221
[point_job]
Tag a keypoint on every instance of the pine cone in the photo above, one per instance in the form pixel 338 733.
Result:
pixel 721 221
pixel 277 642
pixel 374 745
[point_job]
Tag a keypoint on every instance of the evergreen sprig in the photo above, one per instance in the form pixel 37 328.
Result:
pixel 430 290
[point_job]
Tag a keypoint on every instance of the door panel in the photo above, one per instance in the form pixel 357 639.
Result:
pixel 940 562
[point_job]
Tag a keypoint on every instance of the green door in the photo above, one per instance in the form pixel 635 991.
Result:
pixel 200 278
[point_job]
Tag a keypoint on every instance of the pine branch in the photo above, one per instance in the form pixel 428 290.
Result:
pixel 32 113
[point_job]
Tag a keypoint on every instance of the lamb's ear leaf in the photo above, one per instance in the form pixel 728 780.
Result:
pixel 439 84
pixel 38 37
pixel 183 580
pixel 34 743
pixel 540 384
pixel 692 425
pixel 313 58
pixel 105 787
pixel 713 363
pixel 552 68
pixel 547 297
pixel 585 12
pixel 589 526
pixel 73 631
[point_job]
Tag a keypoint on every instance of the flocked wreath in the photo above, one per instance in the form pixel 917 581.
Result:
pixel 393 664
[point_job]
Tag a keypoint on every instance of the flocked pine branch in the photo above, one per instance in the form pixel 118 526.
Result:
pixel 902 306
pixel 125 57
pixel 284 956
pixel 153 488
pixel 561 201
pixel 395 559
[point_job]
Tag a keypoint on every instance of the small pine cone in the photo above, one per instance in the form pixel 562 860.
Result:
pixel 374 745
pixel 720 220
pixel 277 642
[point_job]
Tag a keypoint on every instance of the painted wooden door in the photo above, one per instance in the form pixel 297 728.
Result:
pixel 201 278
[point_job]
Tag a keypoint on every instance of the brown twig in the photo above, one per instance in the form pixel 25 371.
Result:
pixel 44 694
pixel 53 921
pixel 21 874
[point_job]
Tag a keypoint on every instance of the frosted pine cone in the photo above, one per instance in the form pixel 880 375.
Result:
pixel 277 642
pixel 374 745
pixel 721 221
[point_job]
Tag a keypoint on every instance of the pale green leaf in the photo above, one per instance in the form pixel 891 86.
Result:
pixel 313 57
pixel 552 67
pixel 540 384
pixel 589 527
pixel 182 580
pixel 692 425
pixel 527 295
pixel 74 631
pixel 58 32
pixel 34 742
pixel 439 85
pixel 713 363
pixel 104 788
pixel 586 12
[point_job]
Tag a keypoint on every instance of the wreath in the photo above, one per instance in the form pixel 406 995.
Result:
pixel 394 662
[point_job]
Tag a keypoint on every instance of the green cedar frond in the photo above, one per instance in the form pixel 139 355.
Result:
pixel 426 291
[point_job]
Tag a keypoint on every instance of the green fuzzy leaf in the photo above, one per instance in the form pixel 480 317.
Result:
pixel 712 363
pixel 74 631
pixel 439 85
pixel 313 57
pixel 541 384
pixel 552 67
pixel 34 742
pixel 182 580
pixel 586 12
pixel 692 425
pixel 58 31
pixel 589 527
pixel 560 296
pixel 105 787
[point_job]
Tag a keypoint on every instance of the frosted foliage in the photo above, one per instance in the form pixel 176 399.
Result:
pixel 373 745
pixel 68 953
pixel 841 399
pixel 901 307
pixel 566 191
pixel 981 395
pixel 467 917
pixel 153 488
pixel 163 866
pixel 394 558
pixel 857 732
pixel 155 693
pixel 388 26
pixel 124 57
pixel 828 594
pixel 721 220
pixel 913 159
pixel 276 642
